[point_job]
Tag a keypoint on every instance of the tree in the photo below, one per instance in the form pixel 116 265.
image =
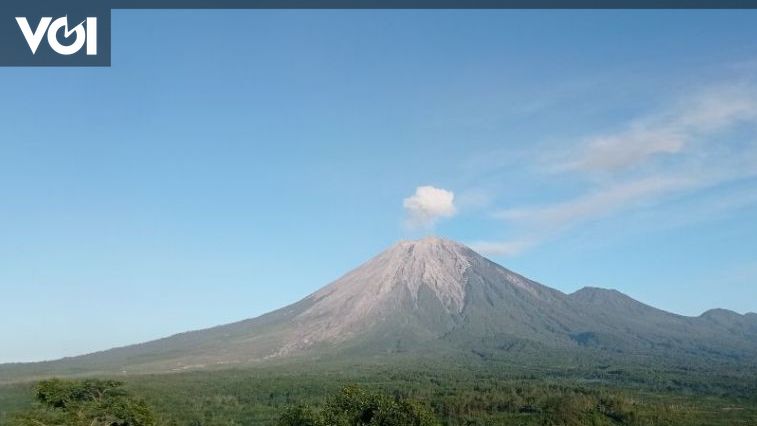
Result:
pixel 355 406
pixel 300 416
pixel 85 403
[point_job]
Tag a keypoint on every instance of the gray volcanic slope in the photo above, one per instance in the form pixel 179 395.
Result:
pixel 434 296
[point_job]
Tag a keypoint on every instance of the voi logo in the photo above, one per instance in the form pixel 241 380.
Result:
pixel 84 35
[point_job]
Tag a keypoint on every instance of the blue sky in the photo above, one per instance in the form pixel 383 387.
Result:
pixel 230 163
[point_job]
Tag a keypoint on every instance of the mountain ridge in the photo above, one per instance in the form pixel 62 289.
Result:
pixel 440 296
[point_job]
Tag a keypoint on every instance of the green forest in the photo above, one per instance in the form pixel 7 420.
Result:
pixel 386 395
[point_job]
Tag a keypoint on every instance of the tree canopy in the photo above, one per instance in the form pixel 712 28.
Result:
pixel 85 403
pixel 355 406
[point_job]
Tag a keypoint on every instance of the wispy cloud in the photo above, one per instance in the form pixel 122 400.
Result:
pixel 698 138
pixel 668 133
pixel 597 204
pixel 428 205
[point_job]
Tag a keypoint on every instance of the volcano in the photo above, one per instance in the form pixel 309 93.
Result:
pixel 435 297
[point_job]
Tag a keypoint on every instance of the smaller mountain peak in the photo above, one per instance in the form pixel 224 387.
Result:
pixel 598 294
pixel 720 313
pixel 590 290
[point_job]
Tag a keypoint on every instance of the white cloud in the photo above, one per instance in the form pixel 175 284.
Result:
pixel 669 132
pixel 597 204
pixel 545 222
pixel 428 205
pixel 700 136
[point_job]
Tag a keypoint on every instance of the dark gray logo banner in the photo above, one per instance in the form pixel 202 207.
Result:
pixel 77 32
